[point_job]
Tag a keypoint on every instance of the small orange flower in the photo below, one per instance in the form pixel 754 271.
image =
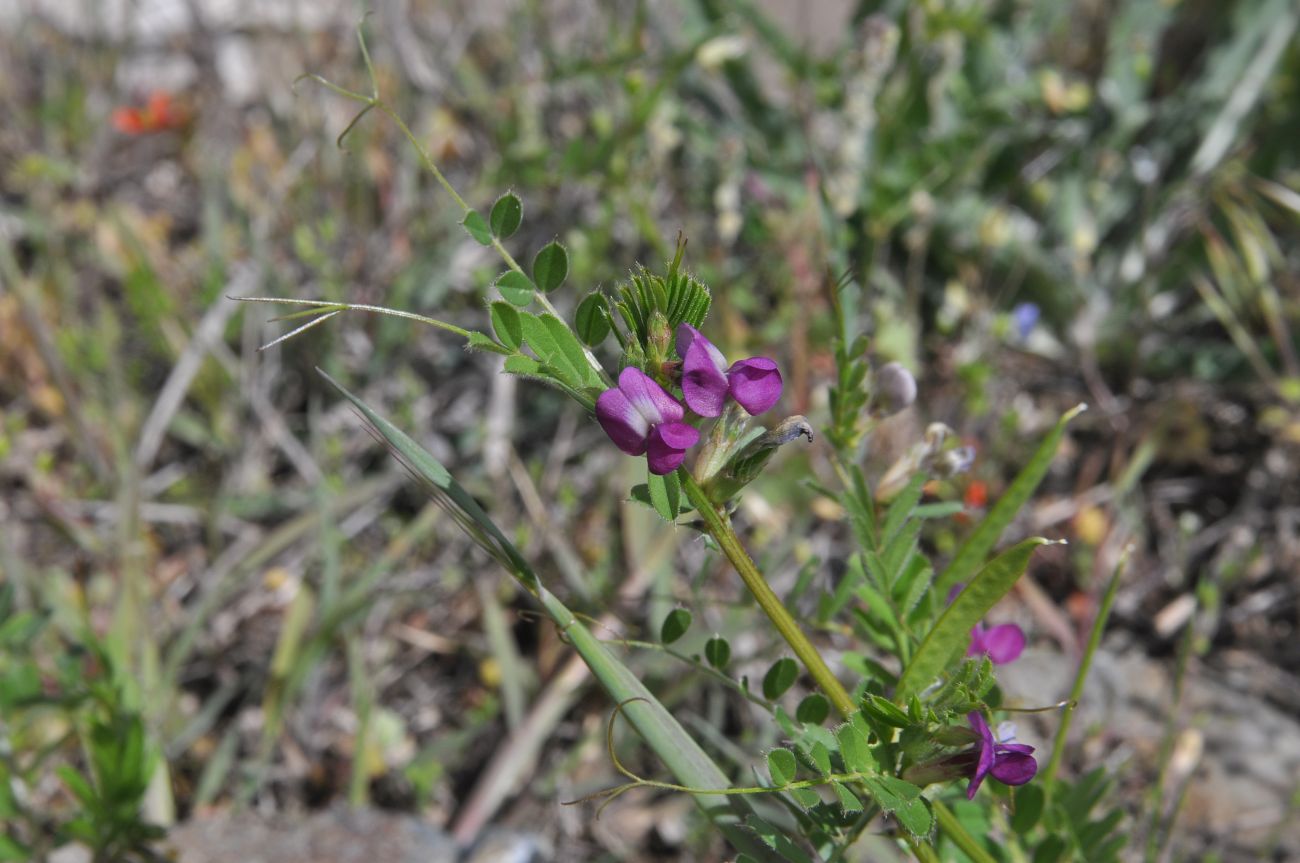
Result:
pixel 977 494
pixel 159 114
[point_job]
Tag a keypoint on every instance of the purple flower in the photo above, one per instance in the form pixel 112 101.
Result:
pixel 754 383
pixel 640 417
pixel 1009 763
pixel 1025 316
pixel 1003 643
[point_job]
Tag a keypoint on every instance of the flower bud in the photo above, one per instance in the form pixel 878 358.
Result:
pixel 745 466
pixel 895 389
pixel 658 344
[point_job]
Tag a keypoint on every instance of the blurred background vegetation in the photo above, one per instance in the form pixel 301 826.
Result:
pixel 221 603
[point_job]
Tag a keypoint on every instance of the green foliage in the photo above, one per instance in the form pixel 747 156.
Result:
pixel 118 761
pixel 779 678
pixel 506 216
pixel 477 228
pixel 506 325
pixel 550 267
pixel 591 321
pixel 813 709
pixel 516 288
pixel 951 633
pixel 975 549
pixel 678 297
pixel 665 494
pixel 675 625
pixel 718 652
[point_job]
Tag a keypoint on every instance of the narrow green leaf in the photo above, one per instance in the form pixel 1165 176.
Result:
pixel 477 228
pixel 80 786
pixel 973 552
pixel 805 797
pixel 776 839
pixel 551 266
pixel 885 712
pixel 782 765
pixel 591 320
pixel 942 509
pixel 506 215
pixel 522 365
pixel 821 758
pixel 462 505
pixel 1030 800
pixel 505 324
pixel 538 337
pixel 951 632
pixel 902 506
pixel 718 652
pixel 516 288
pixel 779 678
pixel 848 799
pixel 854 749
pixel 575 356
pixel 813 710
pixel 480 342
pixel 675 625
pixel 665 494
pixel 904 800
pixel 679 752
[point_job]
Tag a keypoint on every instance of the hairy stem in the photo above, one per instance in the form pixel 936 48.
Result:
pixel 719 527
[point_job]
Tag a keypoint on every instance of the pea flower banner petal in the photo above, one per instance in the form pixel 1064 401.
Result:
pixel 1003 643
pixel 754 383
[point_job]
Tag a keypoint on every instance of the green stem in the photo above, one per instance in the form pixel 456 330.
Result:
pixel 1085 664
pixel 720 529
pixel 952 828
pixel 509 259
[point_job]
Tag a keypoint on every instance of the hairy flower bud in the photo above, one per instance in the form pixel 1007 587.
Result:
pixel 745 466
pixel 895 389
pixel 658 343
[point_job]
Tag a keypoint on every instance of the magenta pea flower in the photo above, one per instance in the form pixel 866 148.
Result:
pixel 640 417
pixel 754 383
pixel 1002 643
pixel 1007 762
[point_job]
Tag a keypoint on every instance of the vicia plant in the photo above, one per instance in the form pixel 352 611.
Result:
pixel 911 722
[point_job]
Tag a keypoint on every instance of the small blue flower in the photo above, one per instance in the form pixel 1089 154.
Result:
pixel 1025 316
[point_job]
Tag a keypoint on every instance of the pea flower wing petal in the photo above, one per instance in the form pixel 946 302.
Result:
pixel 620 419
pixel 648 397
pixel 755 383
pixel 1013 764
